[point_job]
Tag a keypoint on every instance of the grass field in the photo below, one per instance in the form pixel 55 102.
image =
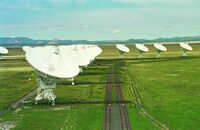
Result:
pixel 16 80
pixel 169 90
pixel 66 118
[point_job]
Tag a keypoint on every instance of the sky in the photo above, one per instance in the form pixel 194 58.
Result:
pixel 99 19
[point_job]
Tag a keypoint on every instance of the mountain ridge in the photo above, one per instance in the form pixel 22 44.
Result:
pixel 21 41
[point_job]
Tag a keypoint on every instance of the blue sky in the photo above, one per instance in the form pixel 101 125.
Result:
pixel 99 19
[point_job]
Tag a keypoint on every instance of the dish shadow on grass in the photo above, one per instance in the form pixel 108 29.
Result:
pixel 96 73
pixel 62 103
pixel 85 83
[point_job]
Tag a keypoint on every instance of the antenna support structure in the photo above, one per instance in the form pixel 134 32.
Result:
pixel 140 54
pixel 158 55
pixel 184 52
pixel 45 90
pixel 121 54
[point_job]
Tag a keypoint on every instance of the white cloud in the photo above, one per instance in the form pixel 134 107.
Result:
pixel 115 31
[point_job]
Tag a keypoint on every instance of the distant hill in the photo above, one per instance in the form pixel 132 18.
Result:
pixel 9 41
pixel 131 41
pixel 174 39
pixel 21 41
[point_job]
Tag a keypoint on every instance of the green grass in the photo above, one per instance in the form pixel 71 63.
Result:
pixel 16 80
pixel 170 91
pixel 15 51
pixel 139 122
pixel 68 118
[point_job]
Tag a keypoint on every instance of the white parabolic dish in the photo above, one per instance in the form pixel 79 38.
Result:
pixel 94 50
pixel 3 50
pixel 160 47
pixel 76 54
pixel 185 46
pixel 26 48
pixel 53 62
pixel 122 48
pixel 97 50
pixel 87 52
pixel 84 52
pixel 141 47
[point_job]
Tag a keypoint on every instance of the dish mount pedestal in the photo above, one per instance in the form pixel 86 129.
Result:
pixel 140 54
pixel 184 52
pixel 185 47
pixel 45 90
pixel 72 79
pixel 121 54
pixel 158 55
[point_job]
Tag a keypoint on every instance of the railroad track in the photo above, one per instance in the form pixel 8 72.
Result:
pixel 125 122
pixel 115 115
pixel 108 99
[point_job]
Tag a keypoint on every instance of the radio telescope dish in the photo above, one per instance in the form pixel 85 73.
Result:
pixel 87 52
pixel 160 48
pixel 77 54
pixel 3 51
pixel 122 49
pixel 141 50
pixel 51 63
pixel 94 51
pixel 26 48
pixel 185 47
pixel 84 54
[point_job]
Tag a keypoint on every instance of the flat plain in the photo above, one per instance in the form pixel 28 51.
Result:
pixel 168 88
